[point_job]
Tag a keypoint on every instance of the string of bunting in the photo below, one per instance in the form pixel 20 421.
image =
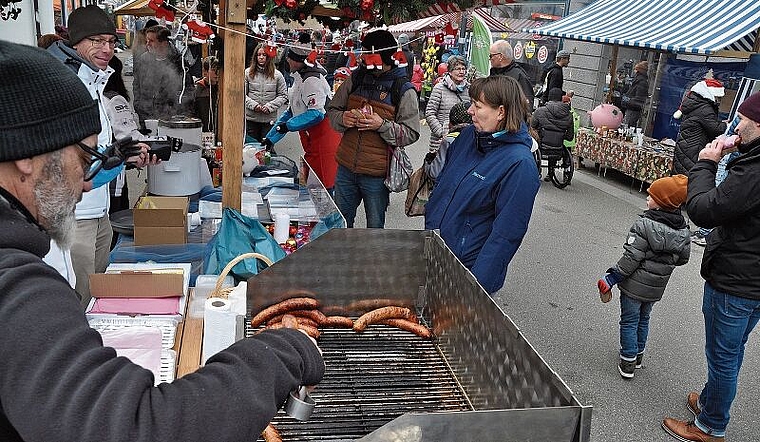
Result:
pixel 201 32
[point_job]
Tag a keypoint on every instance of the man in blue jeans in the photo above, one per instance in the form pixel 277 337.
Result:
pixel 731 302
pixel 377 112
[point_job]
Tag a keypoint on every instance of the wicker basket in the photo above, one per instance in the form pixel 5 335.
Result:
pixel 224 293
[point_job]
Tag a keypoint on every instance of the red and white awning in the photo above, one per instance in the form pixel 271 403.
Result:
pixel 440 21
pixel 443 7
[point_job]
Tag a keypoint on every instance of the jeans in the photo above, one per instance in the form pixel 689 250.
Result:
pixel 351 188
pixel 729 320
pixel 634 326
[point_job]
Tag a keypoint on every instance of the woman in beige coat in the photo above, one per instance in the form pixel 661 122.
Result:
pixel 266 94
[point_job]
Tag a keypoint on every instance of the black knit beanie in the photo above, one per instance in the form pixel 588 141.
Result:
pixel 300 52
pixel 87 21
pixel 383 42
pixel 46 107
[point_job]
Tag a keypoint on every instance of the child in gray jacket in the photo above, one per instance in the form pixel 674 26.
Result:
pixel 657 243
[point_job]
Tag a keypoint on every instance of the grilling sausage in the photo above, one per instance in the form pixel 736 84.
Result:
pixel 270 434
pixel 299 319
pixel 311 331
pixel 338 322
pixel 283 307
pixel 379 314
pixel 410 326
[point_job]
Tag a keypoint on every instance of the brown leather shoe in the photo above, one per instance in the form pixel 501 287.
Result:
pixel 692 402
pixel 686 431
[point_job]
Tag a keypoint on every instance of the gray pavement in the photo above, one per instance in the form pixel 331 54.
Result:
pixel 550 293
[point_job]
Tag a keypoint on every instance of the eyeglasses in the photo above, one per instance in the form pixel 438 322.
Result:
pixel 95 162
pixel 490 56
pixel 99 42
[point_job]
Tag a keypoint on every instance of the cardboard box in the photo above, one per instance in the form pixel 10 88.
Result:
pixel 161 220
pixel 137 284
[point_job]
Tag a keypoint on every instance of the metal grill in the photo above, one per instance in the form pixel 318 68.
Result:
pixel 372 378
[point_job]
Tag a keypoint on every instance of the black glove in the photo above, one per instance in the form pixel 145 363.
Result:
pixel 281 128
pixel 267 143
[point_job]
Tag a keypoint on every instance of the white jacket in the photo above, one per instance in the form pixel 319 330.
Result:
pixel 94 203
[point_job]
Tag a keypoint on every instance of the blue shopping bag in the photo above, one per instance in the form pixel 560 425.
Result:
pixel 239 234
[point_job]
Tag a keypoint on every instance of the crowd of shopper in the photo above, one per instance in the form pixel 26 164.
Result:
pixel 355 106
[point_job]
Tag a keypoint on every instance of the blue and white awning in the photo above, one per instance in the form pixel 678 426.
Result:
pixel 685 26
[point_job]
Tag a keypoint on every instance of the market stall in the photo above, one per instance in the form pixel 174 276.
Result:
pixel 666 27
pixel 646 163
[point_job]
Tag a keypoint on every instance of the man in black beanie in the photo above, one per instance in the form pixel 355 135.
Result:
pixel 57 380
pixel 87 53
pixel 377 111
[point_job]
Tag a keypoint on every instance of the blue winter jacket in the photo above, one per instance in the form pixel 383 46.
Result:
pixel 483 200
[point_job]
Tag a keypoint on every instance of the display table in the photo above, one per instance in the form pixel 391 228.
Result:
pixel 645 163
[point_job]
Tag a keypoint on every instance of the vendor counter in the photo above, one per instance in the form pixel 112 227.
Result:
pixel 646 163
pixel 303 198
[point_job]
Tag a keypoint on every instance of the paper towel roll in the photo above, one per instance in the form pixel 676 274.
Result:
pixel 281 227
pixel 218 326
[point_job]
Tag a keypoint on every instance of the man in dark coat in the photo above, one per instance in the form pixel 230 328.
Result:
pixel 731 300
pixel 636 96
pixel 699 123
pixel 403 41
pixel 553 77
pixel 503 63
pixel 57 380
pixel 554 123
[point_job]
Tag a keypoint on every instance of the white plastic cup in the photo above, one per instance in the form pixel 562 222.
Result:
pixel 281 227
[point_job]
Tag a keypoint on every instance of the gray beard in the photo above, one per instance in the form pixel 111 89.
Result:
pixel 56 203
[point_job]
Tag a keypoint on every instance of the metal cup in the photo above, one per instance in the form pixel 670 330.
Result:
pixel 300 405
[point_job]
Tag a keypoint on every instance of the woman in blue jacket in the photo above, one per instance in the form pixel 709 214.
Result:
pixel 484 195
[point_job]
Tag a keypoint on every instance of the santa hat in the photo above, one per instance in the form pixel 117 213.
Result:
pixel 708 88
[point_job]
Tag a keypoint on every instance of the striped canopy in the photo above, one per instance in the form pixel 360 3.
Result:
pixel 685 26
pixel 439 21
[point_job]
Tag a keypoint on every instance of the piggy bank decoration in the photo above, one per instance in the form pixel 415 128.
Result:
pixel 607 115
pixel 250 160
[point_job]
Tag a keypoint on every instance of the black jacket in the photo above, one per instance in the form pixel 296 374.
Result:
pixel 553 78
pixel 699 125
pixel 515 71
pixel 554 123
pixel 657 243
pixel 731 261
pixel 637 93
pixel 59 383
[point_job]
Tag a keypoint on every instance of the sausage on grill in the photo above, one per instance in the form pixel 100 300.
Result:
pixel 270 434
pixel 410 326
pixel 311 331
pixel 283 307
pixel 379 314
pixel 338 322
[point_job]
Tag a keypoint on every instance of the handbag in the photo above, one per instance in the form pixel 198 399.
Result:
pixel 399 170
pixel 420 187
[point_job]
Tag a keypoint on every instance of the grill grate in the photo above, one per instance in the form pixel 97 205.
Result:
pixel 372 378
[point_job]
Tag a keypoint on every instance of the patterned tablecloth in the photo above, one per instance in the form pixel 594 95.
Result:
pixel 645 163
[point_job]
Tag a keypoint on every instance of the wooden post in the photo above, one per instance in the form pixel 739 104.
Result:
pixel 231 105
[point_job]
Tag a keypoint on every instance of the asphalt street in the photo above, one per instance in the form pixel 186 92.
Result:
pixel 550 293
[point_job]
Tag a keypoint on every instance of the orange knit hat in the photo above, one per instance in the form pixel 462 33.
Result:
pixel 670 192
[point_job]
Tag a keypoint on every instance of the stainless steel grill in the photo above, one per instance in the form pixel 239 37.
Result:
pixel 372 378
pixel 479 380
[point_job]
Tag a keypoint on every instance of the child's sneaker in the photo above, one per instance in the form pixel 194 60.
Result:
pixel 605 290
pixel 626 368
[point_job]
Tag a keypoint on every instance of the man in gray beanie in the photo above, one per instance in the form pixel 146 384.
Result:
pixel 403 41
pixel 552 77
pixel 90 48
pixel 57 380
pixel 306 114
